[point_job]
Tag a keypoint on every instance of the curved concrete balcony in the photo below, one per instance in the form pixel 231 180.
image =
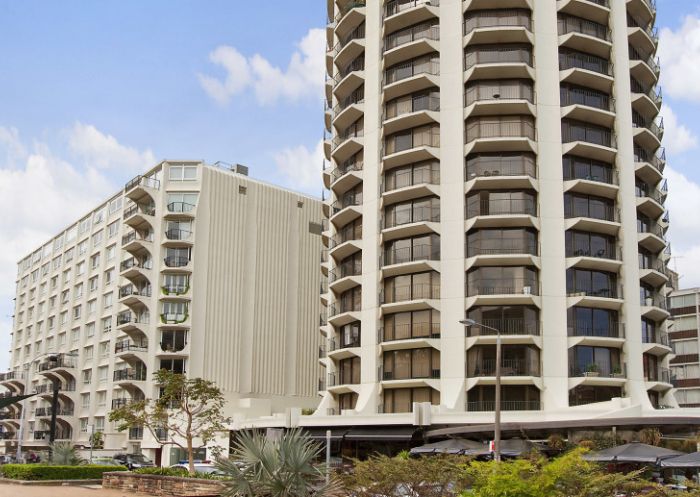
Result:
pixel 586 36
pixel 424 186
pixel 345 146
pixel 655 308
pixel 338 384
pixel 515 291
pixel 139 216
pixel 588 107
pixel 130 351
pixel 607 335
pixel 604 262
pixel 412 119
pixel 430 224
pixel 513 331
pixel 343 212
pixel 649 167
pixel 178 237
pixel 644 39
pixel 389 383
pixel 648 136
pixel 482 135
pixel 130 379
pixel 344 86
pixel 498 63
pixel 651 205
pixel 582 69
pixel 349 52
pixel 134 296
pixel 653 239
pixel 655 276
pixel 392 267
pixel 643 10
pixel 343 282
pixel 177 264
pixel 328 85
pixel 180 210
pixel 340 248
pixel 346 177
pixel 416 153
pixel 500 180
pixel 596 379
pixel 410 298
pixel 338 351
pixel 592 187
pixel 497 26
pixel 657 345
pixel 502 221
pixel 400 14
pixel 14 380
pixel 339 315
pixel 488 4
pixel 350 15
pixel 422 78
pixel 647 104
pixel 142 188
pixel 594 10
pixel 421 44
pixel 326 173
pixel 644 68
pixel 349 111
pixel 610 298
pixel 136 243
pixel 513 372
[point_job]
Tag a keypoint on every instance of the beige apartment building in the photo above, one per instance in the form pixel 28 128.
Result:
pixel 497 160
pixel 683 335
pixel 193 268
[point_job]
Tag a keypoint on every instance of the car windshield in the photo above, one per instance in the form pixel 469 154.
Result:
pixel 140 459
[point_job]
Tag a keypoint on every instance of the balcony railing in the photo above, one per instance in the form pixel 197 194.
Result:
pixel 392 375
pixel 506 405
pixel 503 286
pixel 345 202
pixel 174 317
pixel 654 96
pixel 480 92
pixel 580 60
pixel 118 403
pixel 129 346
pixel 402 255
pixel 175 289
pixel 135 263
pixel 341 344
pixel 502 246
pixel 41 412
pixel 656 337
pixel 487 165
pixel 653 228
pixel 142 181
pixel 178 234
pixel 12 375
pixel 394 7
pixel 183 207
pixel 417 215
pixel 497 55
pixel 61 362
pixel 573 131
pixel 502 207
pixel 356 65
pixel 129 290
pixel 176 261
pixel 130 237
pixel 589 98
pixel 345 270
pixel 509 367
pixel 411 68
pixel 594 370
pixel 354 131
pixel 506 326
pixel 608 293
pixel 405 178
pixel 570 24
pixel 656 129
pixel 649 28
pixel 408 332
pixel 519 18
pixel 148 210
pixel 426 31
pixel 415 104
pixel 482 128
pixel 647 59
pixel 406 293
pixel 353 4
pixel 586 329
pixel 129 375
pixel 356 97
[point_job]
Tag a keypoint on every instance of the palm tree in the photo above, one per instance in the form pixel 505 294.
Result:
pixel 260 466
pixel 64 454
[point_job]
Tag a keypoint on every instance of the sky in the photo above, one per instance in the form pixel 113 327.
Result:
pixel 92 93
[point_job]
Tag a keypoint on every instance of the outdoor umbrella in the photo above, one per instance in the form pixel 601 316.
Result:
pixel 515 447
pixel 691 460
pixel 452 446
pixel 634 452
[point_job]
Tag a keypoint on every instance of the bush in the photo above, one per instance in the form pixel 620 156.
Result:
pixel 178 472
pixel 46 472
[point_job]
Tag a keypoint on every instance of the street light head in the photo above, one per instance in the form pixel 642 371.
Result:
pixel 468 322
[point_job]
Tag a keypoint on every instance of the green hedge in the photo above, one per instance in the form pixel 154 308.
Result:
pixel 46 472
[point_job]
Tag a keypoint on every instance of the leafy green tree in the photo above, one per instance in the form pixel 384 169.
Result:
pixel 188 410
pixel 284 467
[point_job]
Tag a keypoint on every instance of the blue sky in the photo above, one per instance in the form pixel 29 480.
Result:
pixel 91 93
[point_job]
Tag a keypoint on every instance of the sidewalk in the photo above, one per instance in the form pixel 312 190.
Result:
pixel 9 490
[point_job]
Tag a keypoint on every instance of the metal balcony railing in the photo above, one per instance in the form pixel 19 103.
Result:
pixel 408 332
pixel 610 292
pixel 180 207
pixel 142 181
pixel 509 367
pixel 501 207
pixel 344 270
pixel 504 91
pixel 417 103
pixel 570 24
pixel 502 286
pixel 589 98
pixel 176 261
pixel 129 290
pixel 605 370
pixel 356 97
pixel 506 405
pixel 129 346
pixel 506 326
pixel 415 67
pixel 655 96
pixel 417 215
pixel 178 234
pixel 129 375
pixel 519 18
pixel 658 161
pixel 588 329
pixel 402 255
pixel 394 7
pixel 580 60
pixel 485 128
pixel 574 131
pixel 425 31
pixel 647 59
pixel 502 246
pixel 497 55
pixel 404 293
pixel 505 165
pixel 343 344
pixel 404 178
pixel 649 29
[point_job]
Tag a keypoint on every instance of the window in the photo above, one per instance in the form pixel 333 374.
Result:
pixel 402 399
pixel 183 173
pixel 173 365
pixel 56 263
pixel 84 225
pixel 102 374
pixel 107 324
pixel 50 347
pixel 174 311
pixel 111 252
pixel 42 289
pixel 107 300
pixel 51 322
pixel 109 274
pixel 95 261
pixel 58 244
pixel 75 334
pixel 78 291
pixel 61 339
pixel 77 312
pixel 90 330
pixel 91 307
pixel 414 363
pixel 80 269
pixel 182 202
pixel 68 255
pixel 65 296
pixel 113 229
pixel 115 205
pixel 54 282
pixel 85 403
pixel 100 420
pixel 87 376
pixel 89 352
pixel 585 244
pixel 104 349
pixel 82 247
pixel 101 402
pixel 93 284
pixel 685 323
pixel 45 269
pixel 52 302
pixel 99 216
pixel 594 283
pixel 176 283
pixel 97 238
pixel 63 318
pixel 685 347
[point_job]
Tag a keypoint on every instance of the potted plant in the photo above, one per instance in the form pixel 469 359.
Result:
pixel 616 372
pixel 592 370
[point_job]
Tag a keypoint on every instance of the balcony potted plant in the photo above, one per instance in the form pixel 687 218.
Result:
pixel 592 370
pixel 616 372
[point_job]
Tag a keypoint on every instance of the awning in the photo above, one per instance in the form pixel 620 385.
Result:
pixel 320 433
pixel 453 446
pixel 379 433
pixel 691 460
pixel 633 452
pixel 8 401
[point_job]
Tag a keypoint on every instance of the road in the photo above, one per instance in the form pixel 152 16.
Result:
pixel 7 490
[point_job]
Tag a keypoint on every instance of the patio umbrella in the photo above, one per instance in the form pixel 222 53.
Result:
pixel 691 460
pixel 515 447
pixel 634 452
pixel 452 446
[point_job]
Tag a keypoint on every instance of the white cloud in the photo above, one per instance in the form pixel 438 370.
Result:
pixel 302 78
pixel 301 167
pixel 679 52
pixel 10 146
pixel 44 193
pixel 678 138
pixel 102 151
pixel 683 203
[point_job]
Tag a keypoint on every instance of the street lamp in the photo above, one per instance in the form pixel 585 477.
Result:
pixel 497 414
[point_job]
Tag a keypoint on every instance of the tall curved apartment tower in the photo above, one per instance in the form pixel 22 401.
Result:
pixel 498 160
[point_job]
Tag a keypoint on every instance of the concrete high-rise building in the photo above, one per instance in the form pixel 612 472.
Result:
pixel 685 366
pixel 497 160
pixel 192 268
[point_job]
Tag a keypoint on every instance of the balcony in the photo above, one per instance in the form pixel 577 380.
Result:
pixel 416 333
pixel 129 375
pixel 498 62
pixel 349 109
pixel 588 140
pixel 649 166
pixel 44 412
pixel 509 367
pixel 506 326
pixel 583 69
pixel 651 202
pixel 654 307
pixel 137 242
pixel 646 100
pixel 123 402
pixel 131 294
pixel 411 76
pixel 175 290
pixel 174 261
pixel 418 221
pixel 55 363
pixel 651 236
pixel 492 287
pixel 178 235
pixel 347 208
pixel 349 78
pixel 501 207
pixel 598 370
pixel 411 182
pixel 132 267
pixel 176 209
pixel 500 171
pixel 499 134
pixel 174 318
pixel 654 273
pixel 411 42
pixel 345 277
pixel 141 187
pixel 411 111
pixel 606 334
pixel 644 36
pixel 349 16
pixel 411 146
pixel 502 251
pixel 406 255
pixel 348 48
pixel 647 134
pixel 346 176
pixel 590 106
pixel 348 142
pixel 129 348
pixel 402 13
pixel 339 350
pixel 138 215
pixel 644 67
pixel 584 35
pixel 656 343
pixel 408 293
pixel 497 98
pixel 497 26
pixel 595 10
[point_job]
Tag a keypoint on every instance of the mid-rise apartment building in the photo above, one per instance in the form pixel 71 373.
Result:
pixel 192 268
pixel 501 161
pixel 685 365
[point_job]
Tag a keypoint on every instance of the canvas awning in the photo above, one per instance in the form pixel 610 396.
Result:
pixel 452 446
pixel 379 433
pixel 634 452
pixel 691 460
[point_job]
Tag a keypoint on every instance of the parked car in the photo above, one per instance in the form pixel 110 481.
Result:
pixel 199 467
pixel 133 461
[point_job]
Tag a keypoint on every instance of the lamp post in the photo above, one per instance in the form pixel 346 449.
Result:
pixel 497 411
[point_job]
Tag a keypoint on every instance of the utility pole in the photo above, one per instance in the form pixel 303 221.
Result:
pixel 54 410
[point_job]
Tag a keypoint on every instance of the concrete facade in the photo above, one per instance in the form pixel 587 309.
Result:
pixel 685 365
pixel 193 268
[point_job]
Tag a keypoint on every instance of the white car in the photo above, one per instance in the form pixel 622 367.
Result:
pixel 199 467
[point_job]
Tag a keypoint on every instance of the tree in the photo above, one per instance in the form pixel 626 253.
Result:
pixel 187 410
pixel 284 467
pixel 651 436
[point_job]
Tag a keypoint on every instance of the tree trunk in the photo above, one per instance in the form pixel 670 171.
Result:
pixel 190 453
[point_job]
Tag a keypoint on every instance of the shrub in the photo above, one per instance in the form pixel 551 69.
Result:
pixel 178 472
pixel 46 472
pixel 65 454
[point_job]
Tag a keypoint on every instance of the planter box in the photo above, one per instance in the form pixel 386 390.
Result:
pixel 165 486
pixel 592 374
